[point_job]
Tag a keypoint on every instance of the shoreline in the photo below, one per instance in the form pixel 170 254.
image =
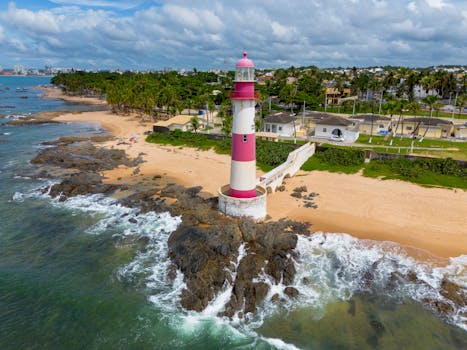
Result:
pixel 428 222
pixel 57 94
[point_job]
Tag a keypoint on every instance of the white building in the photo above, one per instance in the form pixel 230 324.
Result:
pixel 19 70
pixel 420 92
pixel 282 124
pixel 337 128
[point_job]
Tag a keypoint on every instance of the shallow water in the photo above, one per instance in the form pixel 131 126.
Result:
pixel 74 275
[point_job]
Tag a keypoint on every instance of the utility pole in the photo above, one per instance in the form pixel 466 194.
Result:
pixel 455 104
pixel 303 115
pixel 353 109
pixel 325 101
pixel 380 102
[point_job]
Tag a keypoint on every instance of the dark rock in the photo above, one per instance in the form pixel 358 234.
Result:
pixel 173 191
pixel 275 298
pixel 291 292
pixel 254 294
pixel 79 184
pixel 133 220
pixel 193 191
pixel 300 189
pixel 296 194
pixel 248 229
pixel 412 277
pixel 172 272
pixel 143 240
pixel 84 156
pixel 453 292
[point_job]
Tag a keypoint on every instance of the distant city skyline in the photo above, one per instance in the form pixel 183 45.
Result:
pixel 146 34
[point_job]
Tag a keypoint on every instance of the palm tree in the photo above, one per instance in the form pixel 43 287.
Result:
pixel 461 102
pixel 400 106
pixel 431 101
pixel 194 123
pixel 413 107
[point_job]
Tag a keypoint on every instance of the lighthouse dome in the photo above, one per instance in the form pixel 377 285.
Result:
pixel 244 62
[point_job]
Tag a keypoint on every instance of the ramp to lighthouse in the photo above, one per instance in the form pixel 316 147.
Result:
pixel 274 178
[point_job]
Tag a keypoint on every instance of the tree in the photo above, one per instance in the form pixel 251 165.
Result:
pixel 194 123
pixel 227 124
pixel 431 101
pixel 398 107
pixel 461 102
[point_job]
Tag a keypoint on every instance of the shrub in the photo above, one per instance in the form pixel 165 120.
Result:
pixel 341 156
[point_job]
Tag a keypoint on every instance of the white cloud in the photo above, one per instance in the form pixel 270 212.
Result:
pixel 122 4
pixel 281 32
pixel 412 6
pixel 437 4
pixel 26 20
pixel 202 33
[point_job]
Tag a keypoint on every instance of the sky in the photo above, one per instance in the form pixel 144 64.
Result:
pixel 149 34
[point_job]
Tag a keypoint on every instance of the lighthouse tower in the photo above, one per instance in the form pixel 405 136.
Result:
pixel 243 164
pixel 243 197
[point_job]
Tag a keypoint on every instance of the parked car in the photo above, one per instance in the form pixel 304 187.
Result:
pixel 336 138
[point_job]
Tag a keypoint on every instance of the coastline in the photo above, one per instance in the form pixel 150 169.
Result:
pixel 428 222
pixel 56 93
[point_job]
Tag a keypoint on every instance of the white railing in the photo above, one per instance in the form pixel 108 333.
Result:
pixel 273 179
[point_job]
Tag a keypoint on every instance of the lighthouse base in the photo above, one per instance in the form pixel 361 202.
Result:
pixel 254 207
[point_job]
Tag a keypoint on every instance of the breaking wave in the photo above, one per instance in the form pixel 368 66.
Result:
pixel 330 268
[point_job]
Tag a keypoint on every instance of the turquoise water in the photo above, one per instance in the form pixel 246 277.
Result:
pixel 73 276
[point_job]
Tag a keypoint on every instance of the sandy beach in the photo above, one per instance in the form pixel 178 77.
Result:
pixel 433 220
pixel 56 93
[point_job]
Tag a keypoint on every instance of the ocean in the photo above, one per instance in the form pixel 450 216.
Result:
pixel 73 274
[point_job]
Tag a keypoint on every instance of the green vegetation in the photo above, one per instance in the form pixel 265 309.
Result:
pixel 341 156
pixel 268 154
pixel 148 93
pixel 429 172
pixel 439 148
pixel 200 141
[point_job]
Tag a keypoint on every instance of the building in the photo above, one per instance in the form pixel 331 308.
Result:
pixel 372 124
pixel 424 127
pixel 19 70
pixel 460 131
pixel 337 128
pixel 334 95
pixel 179 122
pixel 242 197
pixel 282 123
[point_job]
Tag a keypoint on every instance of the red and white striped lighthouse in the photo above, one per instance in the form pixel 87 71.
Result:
pixel 243 163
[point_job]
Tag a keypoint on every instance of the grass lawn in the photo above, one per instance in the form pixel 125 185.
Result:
pixel 436 148
pixel 384 171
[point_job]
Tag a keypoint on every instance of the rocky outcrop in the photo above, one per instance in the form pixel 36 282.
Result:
pixel 80 184
pixel 208 257
pixel 84 157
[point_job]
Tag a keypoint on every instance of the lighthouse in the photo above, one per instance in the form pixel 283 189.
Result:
pixel 243 163
pixel 243 197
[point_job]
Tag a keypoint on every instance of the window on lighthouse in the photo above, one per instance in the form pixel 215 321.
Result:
pixel 245 138
pixel 245 74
